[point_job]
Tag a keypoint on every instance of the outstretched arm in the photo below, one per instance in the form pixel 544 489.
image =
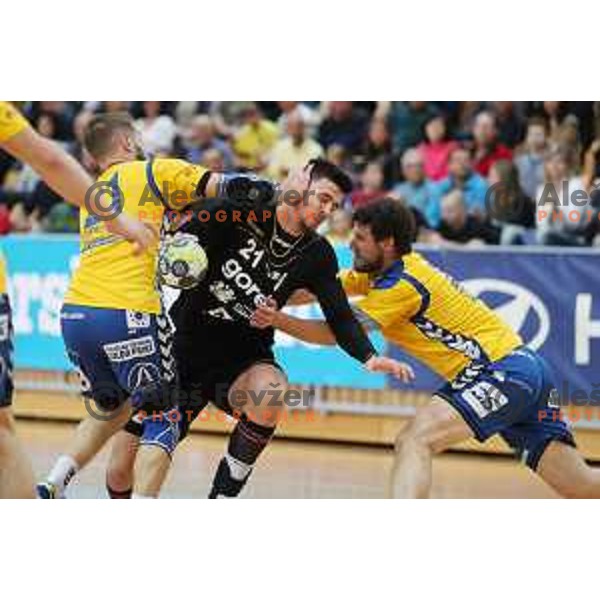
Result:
pixel 70 181
pixel 57 168
pixel 315 331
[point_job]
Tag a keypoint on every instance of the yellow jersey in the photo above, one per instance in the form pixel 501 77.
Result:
pixel 109 275
pixel 11 121
pixel 3 285
pixel 427 314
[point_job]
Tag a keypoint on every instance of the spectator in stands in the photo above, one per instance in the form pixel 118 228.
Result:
pixel 77 148
pixel 337 155
pixel 255 140
pixel 201 138
pixel 487 149
pixel 567 139
pixel 462 177
pixel 108 106
pixel 459 227
pixel 511 211
pixel 378 147
pixel 158 130
pixel 406 121
pixel 436 148
pixel 345 125
pixel 371 185
pixel 293 151
pixel 339 227
pixel 62 114
pixel 510 123
pixel 554 113
pixel 561 221
pixel 417 190
pixel 530 163
pixel 591 166
pixel 309 116
pixel 214 160
pixel 62 218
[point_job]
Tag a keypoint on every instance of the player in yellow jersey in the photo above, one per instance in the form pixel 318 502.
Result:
pixel 111 321
pixel 64 174
pixel 494 383
pixel 60 171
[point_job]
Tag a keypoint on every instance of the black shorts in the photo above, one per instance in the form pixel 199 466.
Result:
pixel 208 364
pixel 6 352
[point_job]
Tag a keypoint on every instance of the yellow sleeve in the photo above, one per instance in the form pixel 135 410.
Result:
pixel 177 181
pixel 354 284
pixel 381 308
pixel 11 121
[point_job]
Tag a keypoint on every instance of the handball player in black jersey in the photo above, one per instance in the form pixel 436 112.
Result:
pixel 258 255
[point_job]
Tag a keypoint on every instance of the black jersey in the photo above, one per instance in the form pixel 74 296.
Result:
pixel 251 258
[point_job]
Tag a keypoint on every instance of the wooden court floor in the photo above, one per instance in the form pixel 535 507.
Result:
pixel 291 469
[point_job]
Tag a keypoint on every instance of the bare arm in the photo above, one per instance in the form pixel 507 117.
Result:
pixel 70 181
pixel 55 166
pixel 300 297
pixel 318 332
pixel 312 331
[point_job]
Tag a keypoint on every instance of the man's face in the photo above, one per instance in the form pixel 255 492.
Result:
pixel 536 137
pixel 460 164
pixel 340 109
pixel 453 212
pixel 368 253
pixel 413 169
pixel 322 199
pixel 484 130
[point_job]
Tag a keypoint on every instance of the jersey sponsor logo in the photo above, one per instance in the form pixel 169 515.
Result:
pixel 484 398
pixel 138 320
pixel 519 307
pixel 220 313
pixel 143 375
pixel 233 271
pixel 222 292
pixel 124 351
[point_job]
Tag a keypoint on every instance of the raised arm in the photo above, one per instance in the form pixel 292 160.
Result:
pixel 62 173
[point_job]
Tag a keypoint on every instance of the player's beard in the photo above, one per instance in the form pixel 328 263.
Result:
pixel 362 265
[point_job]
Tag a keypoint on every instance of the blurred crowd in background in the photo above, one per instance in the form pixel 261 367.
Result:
pixel 473 172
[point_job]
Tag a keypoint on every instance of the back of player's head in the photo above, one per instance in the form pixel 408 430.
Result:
pixel 323 169
pixel 388 218
pixel 102 131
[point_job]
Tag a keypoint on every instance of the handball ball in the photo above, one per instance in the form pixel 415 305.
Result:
pixel 182 262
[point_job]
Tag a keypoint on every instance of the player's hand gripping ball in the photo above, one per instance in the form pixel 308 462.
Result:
pixel 182 263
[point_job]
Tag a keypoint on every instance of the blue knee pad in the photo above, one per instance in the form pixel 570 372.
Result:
pixel 162 429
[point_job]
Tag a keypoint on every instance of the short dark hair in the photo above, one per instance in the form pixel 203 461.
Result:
pixel 100 132
pixel 323 169
pixel 389 218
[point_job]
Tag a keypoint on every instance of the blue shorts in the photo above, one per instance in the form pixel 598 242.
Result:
pixel 515 397
pixel 124 355
pixel 6 352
